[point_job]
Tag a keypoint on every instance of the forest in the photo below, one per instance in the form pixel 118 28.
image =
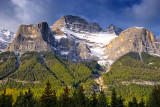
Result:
pixel 32 70
pixel 77 99
pixel 134 77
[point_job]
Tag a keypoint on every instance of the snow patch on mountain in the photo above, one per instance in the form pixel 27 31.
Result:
pixel 96 41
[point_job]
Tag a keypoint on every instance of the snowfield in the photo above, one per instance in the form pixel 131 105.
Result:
pixel 96 41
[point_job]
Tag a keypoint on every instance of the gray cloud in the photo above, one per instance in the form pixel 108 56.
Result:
pixel 22 12
pixel 146 11
pixel 122 13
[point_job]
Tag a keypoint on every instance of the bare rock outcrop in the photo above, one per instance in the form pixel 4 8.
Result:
pixel 33 37
pixel 136 39
pixel 75 23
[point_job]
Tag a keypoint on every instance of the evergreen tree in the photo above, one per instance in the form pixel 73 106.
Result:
pixel 133 103
pixel 114 101
pixel 65 100
pixel 20 100
pixel 94 101
pixel 48 98
pixel 79 97
pixel 25 100
pixel 141 104
pixel 120 101
pixel 154 99
pixel 102 100
pixel 5 100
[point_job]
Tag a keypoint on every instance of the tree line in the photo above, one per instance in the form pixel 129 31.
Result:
pixel 78 99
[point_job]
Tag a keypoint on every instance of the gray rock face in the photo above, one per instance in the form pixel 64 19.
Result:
pixel 80 52
pixel 76 23
pixel 113 29
pixel 73 51
pixel 135 39
pixel 35 37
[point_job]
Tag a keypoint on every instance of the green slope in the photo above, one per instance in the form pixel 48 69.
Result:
pixel 132 77
pixel 7 64
pixel 36 68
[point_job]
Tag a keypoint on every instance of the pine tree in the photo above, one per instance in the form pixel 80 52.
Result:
pixel 120 101
pixel 154 99
pixel 25 100
pixel 114 98
pixel 48 98
pixel 65 100
pixel 94 101
pixel 79 97
pixel 5 100
pixel 133 103
pixel 20 100
pixel 129 104
pixel 141 104
pixel 102 100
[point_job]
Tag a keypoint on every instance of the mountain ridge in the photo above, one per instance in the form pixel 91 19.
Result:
pixel 77 40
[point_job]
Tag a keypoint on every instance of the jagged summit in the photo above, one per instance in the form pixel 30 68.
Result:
pixel 33 37
pixel 76 23
pixel 113 29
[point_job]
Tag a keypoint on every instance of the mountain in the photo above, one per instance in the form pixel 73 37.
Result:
pixel 77 40
pixel 77 24
pixel 6 37
pixel 70 31
pixel 31 37
pixel 133 75
pixel 136 39
pixel 70 37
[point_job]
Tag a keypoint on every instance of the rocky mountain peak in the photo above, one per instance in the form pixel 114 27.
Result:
pixel 136 39
pixel 76 23
pixel 113 29
pixel 33 37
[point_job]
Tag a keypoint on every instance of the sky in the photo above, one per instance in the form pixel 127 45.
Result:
pixel 121 13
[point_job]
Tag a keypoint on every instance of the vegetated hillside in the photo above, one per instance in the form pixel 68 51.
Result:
pixel 134 76
pixel 36 68
pixel 7 64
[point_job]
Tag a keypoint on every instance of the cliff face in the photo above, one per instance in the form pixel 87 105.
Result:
pixel 135 39
pixel 35 37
